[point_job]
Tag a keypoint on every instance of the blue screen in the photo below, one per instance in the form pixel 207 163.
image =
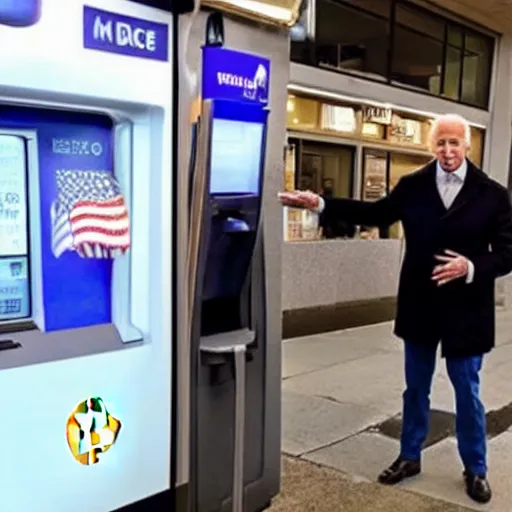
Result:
pixel 71 148
pixel 237 150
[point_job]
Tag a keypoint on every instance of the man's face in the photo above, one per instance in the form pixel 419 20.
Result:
pixel 449 145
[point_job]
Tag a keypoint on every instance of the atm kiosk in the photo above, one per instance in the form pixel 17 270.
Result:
pixel 86 230
pixel 227 279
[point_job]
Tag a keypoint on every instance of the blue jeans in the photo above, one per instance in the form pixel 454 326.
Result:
pixel 420 364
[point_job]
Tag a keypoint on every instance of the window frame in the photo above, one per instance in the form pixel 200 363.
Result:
pixel 310 51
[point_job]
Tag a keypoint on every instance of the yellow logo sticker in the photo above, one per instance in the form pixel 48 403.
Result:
pixel 91 430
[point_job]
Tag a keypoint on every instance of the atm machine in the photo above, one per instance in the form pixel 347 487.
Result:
pixel 87 320
pixel 235 365
pixel 228 282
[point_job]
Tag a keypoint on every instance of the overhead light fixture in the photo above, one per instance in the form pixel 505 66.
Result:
pixel 283 13
pixel 320 93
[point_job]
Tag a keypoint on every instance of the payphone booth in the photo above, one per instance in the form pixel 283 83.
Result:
pixel 86 231
pixel 227 280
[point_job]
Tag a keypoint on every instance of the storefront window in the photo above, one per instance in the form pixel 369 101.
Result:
pixel 326 169
pixel 393 143
pixel 429 53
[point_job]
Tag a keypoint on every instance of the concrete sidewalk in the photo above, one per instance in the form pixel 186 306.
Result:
pixel 339 387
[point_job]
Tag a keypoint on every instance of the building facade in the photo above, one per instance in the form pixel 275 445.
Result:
pixel 361 99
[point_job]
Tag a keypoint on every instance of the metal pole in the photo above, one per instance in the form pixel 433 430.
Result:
pixel 238 450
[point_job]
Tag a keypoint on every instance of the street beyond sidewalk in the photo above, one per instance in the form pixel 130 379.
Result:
pixel 338 390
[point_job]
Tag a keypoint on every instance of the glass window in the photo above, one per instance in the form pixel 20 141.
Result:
pixel 326 168
pixel 452 69
pixel 417 60
pixel 477 69
pixel 351 39
pixel 429 53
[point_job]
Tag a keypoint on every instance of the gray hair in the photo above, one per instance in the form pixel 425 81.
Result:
pixel 454 118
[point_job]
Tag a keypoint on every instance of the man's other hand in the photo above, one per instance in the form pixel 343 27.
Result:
pixel 454 266
pixel 300 199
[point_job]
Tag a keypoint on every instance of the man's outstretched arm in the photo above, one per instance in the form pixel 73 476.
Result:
pixel 383 212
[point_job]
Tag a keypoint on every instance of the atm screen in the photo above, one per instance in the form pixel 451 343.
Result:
pixel 237 149
pixel 14 276
pixel 236 157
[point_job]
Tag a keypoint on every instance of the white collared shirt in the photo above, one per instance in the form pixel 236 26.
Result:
pixel 449 184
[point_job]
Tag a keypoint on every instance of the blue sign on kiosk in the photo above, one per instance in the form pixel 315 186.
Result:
pixel 236 76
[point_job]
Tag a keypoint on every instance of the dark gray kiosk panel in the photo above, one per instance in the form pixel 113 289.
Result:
pixel 228 283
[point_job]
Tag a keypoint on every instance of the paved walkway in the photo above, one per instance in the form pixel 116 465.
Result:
pixel 337 386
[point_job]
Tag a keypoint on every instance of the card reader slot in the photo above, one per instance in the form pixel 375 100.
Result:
pixel 9 345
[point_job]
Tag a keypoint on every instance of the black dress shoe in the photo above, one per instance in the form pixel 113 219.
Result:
pixel 477 487
pixel 399 470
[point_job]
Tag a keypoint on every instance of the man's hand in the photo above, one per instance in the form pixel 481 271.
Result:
pixel 299 199
pixel 454 266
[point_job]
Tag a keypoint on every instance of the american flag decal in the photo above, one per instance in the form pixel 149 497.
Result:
pixel 89 215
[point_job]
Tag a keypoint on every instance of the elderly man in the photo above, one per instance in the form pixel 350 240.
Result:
pixel 458 230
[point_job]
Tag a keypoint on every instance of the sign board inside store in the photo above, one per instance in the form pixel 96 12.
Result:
pixel 405 130
pixel 336 118
pixel 379 115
